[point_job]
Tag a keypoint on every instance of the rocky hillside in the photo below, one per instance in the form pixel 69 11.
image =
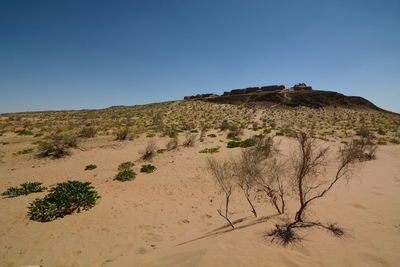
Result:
pixel 298 95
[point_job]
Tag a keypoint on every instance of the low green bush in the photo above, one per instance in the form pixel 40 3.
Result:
pixel 23 151
pixel 148 168
pixel 212 135
pixel 125 175
pixel 23 132
pixel 90 167
pixel 161 150
pixel 63 199
pixel 210 150
pixel 246 143
pixel 24 189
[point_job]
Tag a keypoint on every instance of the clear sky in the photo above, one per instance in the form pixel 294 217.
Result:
pixel 66 54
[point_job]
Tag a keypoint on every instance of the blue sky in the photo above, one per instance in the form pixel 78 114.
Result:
pixel 95 54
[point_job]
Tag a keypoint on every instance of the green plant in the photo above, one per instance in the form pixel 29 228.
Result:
pixel 90 167
pixel 267 131
pixel 162 150
pixel 394 141
pixel 24 189
pixel 210 150
pixel 246 143
pixel 125 175
pixel 63 199
pixel 125 165
pixel 212 135
pixel 23 132
pixel 23 152
pixel 148 168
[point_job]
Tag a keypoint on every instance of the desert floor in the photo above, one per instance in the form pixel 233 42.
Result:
pixel 169 217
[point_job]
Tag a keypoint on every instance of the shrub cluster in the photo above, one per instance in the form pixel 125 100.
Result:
pixel 24 189
pixel 63 199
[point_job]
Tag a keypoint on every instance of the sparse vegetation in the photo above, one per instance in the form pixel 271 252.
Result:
pixel 23 151
pixel 210 150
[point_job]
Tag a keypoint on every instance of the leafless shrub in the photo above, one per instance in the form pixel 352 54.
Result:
pixel 247 169
pixel 284 234
pixel 149 152
pixel 172 144
pixel 190 139
pixel 271 182
pixel 366 149
pixel 308 165
pixel 223 174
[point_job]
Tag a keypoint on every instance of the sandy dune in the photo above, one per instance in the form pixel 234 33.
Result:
pixel 169 218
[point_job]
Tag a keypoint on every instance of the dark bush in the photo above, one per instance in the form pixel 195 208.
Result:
pixel 90 167
pixel 23 132
pixel 63 199
pixel 148 168
pixel 24 189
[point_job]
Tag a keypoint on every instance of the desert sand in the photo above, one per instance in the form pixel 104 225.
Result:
pixel 169 217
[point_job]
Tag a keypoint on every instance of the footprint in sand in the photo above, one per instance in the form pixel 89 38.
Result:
pixel 141 250
pixel 358 206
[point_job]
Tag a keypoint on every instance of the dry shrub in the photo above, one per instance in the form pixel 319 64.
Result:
pixel 149 152
pixel 190 139
pixel 121 134
pixel 224 177
pixel 172 144
pixel 57 145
